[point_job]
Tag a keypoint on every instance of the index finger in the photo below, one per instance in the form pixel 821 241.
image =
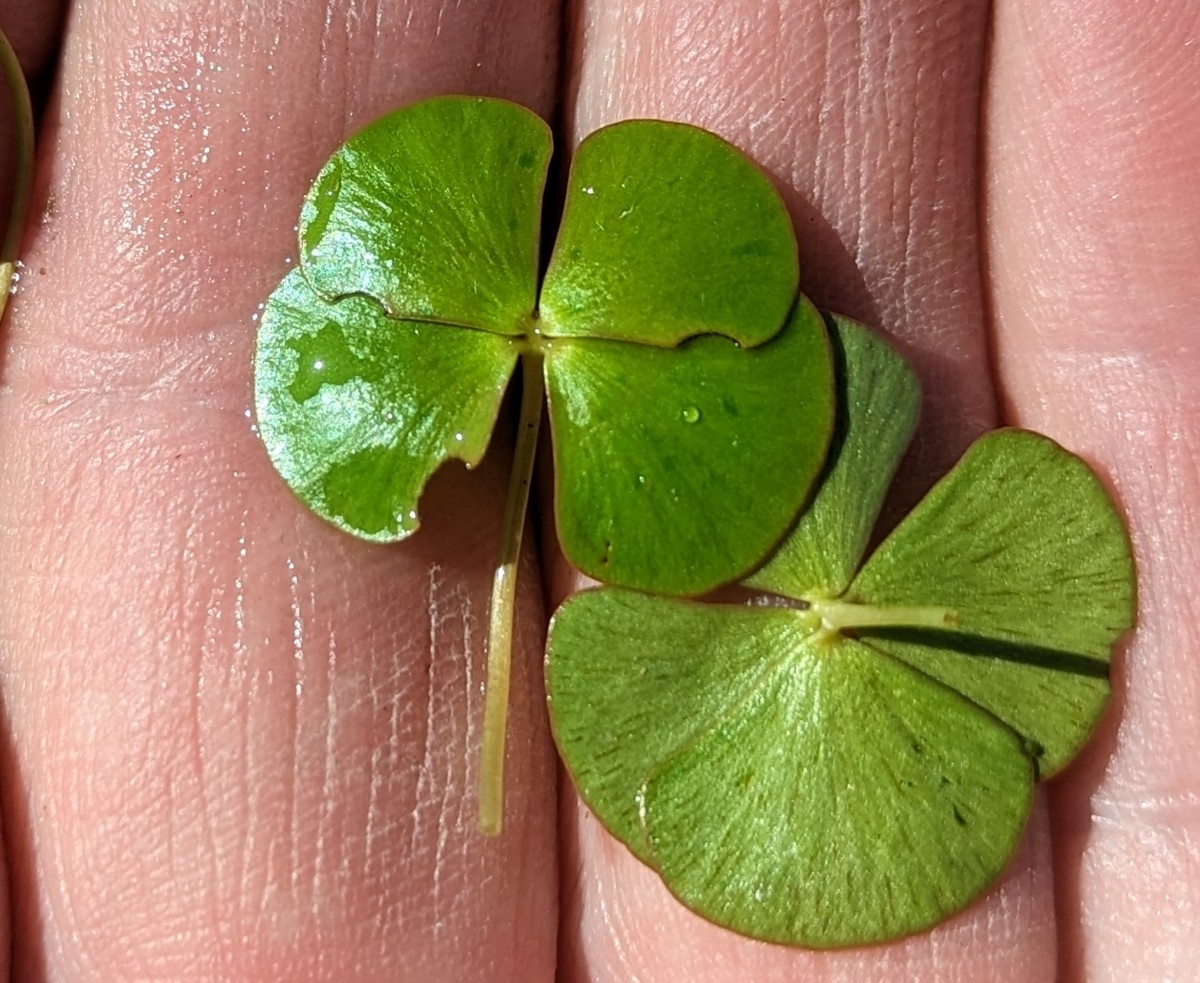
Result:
pixel 239 743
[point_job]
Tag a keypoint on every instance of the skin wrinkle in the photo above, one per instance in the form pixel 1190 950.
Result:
pixel 426 740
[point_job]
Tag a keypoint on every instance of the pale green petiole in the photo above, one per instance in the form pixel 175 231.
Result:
pixel 23 120
pixel 836 617
pixel 504 593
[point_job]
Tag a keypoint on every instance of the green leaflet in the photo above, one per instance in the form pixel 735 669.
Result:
pixel 641 497
pixel 358 410
pixel 1021 540
pixel 435 212
pixel 668 232
pixel 875 418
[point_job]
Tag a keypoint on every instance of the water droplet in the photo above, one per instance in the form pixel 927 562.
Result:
pixel 691 414
pixel 324 358
pixel 458 437
pixel 589 191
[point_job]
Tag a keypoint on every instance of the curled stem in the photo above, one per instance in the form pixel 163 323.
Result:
pixel 18 93
pixel 503 606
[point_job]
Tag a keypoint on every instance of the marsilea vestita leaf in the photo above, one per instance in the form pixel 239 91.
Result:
pixel 690 394
pixel 855 762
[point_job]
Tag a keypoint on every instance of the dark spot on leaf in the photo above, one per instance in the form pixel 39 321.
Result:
pixel 525 161
pixel 729 404
pixel 917 748
pixel 324 358
pixel 958 817
pixel 755 247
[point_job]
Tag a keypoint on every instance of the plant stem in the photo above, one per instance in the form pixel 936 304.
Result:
pixel 504 595
pixel 837 616
pixel 23 178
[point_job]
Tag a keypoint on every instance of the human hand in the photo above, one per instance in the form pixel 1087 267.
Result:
pixel 239 745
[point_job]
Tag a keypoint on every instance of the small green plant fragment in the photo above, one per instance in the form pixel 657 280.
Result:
pixel 875 418
pixel 847 765
pixel 390 348
pixel 18 205
pixel 1022 541
pixel 636 257
pixel 634 428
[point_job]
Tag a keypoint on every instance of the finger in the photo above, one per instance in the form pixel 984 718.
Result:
pixel 866 115
pixel 1094 144
pixel 241 745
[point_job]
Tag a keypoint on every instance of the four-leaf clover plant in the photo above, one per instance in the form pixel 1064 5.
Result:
pixel 849 758
pixel 690 394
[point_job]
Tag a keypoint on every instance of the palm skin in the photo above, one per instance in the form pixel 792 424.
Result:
pixel 239 746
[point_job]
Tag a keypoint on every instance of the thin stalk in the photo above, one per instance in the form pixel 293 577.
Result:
pixel 838 616
pixel 504 596
pixel 18 93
